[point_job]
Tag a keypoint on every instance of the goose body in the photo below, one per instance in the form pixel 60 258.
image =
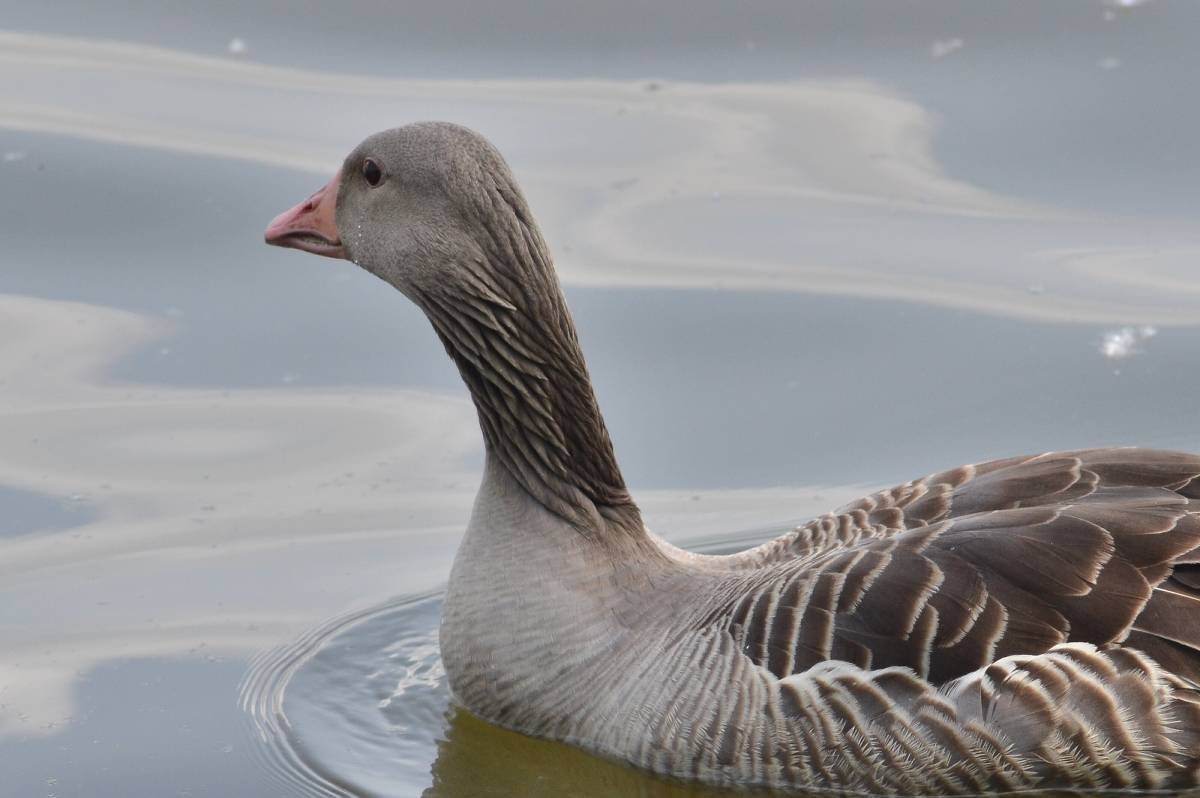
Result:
pixel 1018 624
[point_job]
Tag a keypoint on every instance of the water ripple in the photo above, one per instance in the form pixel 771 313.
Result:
pixel 310 701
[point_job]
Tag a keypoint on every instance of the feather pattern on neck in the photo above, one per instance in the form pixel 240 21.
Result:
pixel 506 325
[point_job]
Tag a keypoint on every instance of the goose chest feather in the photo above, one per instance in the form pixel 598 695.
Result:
pixel 1011 625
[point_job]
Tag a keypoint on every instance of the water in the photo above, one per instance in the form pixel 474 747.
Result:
pixel 26 512
pixel 811 249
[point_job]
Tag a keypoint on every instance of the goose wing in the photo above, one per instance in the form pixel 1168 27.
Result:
pixel 1075 716
pixel 948 573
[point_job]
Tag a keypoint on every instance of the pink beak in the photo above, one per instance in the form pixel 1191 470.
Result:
pixel 310 226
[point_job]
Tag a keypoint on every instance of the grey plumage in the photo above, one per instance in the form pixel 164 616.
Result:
pixel 1017 624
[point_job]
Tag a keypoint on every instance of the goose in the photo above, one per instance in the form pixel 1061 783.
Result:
pixel 1017 624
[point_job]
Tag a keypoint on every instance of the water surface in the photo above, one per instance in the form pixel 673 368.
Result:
pixel 811 248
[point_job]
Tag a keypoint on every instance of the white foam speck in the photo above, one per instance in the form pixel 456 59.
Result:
pixel 944 47
pixel 13 155
pixel 1126 342
pixel 1109 63
pixel 236 46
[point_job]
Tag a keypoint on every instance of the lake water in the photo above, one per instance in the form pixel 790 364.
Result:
pixel 811 248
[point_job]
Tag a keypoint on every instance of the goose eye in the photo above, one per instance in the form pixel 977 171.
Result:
pixel 372 173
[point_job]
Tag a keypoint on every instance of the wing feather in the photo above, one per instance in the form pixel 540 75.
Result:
pixel 948 573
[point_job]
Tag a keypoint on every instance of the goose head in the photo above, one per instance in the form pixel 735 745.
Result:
pixel 412 205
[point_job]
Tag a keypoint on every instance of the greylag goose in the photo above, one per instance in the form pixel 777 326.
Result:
pixel 1012 625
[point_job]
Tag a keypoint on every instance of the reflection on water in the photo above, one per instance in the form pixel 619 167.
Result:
pixel 153 726
pixel 689 185
pixel 808 248
pixel 26 512
pixel 477 759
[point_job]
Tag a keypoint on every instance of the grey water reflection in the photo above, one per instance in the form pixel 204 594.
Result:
pixel 27 512
pixel 811 248
pixel 163 727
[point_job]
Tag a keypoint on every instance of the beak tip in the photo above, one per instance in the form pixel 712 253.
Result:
pixel 309 226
